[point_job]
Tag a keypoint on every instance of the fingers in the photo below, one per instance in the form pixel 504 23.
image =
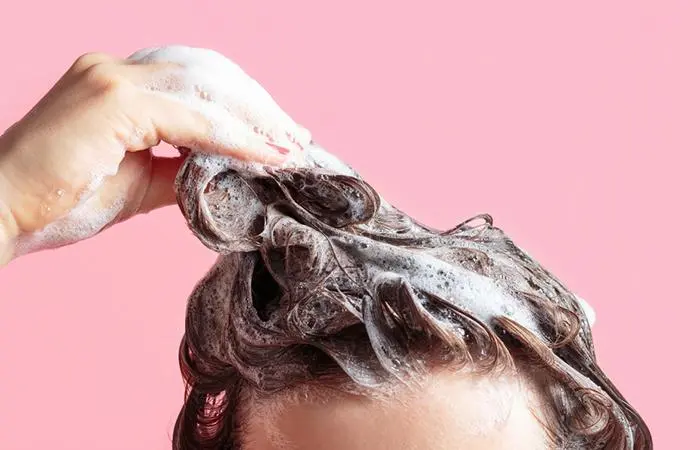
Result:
pixel 202 101
pixel 142 183
pixel 244 120
pixel 202 126
pixel 161 191
pixel 193 120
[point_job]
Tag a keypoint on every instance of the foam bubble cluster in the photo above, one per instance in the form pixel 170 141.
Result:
pixel 242 114
pixel 89 216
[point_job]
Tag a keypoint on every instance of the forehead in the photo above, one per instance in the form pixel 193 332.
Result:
pixel 446 412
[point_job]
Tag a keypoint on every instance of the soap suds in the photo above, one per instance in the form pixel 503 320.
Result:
pixel 243 115
pixel 82 222
pixel 587 310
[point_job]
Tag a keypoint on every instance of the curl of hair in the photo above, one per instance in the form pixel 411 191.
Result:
pixel 321 281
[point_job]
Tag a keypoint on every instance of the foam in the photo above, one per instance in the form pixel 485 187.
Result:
pixel 242 114
pixel 588 311
pixel 480 295
pixel 85 220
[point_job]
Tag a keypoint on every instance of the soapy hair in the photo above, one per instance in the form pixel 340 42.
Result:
pixel 321 282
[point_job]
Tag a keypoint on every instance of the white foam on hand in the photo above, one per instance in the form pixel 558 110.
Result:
pixel 243 115
pixel 82 222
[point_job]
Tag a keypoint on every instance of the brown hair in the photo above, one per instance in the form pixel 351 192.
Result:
pixel 320 281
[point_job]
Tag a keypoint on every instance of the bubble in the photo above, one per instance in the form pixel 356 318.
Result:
pixel 508 309
pixel 242 114
pixel 82 222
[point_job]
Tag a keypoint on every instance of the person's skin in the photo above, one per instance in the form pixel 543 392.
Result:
pixel 447 412
pixel 98 119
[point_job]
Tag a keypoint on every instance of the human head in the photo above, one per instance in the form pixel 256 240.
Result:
pixel 328 299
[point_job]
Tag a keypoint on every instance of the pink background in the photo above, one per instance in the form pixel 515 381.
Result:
pixel 576 126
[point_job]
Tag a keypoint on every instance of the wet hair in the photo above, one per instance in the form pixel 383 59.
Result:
pixel 322 282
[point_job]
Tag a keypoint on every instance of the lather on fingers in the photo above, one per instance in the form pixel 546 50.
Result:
pixel 243 115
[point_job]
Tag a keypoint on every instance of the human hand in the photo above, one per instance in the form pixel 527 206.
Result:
pixel 80 160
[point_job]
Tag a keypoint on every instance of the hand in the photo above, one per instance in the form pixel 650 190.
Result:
pixel 80 160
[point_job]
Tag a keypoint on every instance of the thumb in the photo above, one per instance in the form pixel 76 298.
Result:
pixel 161 190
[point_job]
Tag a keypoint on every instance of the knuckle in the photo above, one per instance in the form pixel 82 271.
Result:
pixel 103 77
pixel 88 60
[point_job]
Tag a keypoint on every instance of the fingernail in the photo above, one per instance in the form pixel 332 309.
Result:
pixel 278 148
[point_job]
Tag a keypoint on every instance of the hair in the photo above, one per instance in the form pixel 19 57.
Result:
pixel 322 282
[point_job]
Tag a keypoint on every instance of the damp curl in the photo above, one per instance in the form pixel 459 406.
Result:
pixel 320 281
